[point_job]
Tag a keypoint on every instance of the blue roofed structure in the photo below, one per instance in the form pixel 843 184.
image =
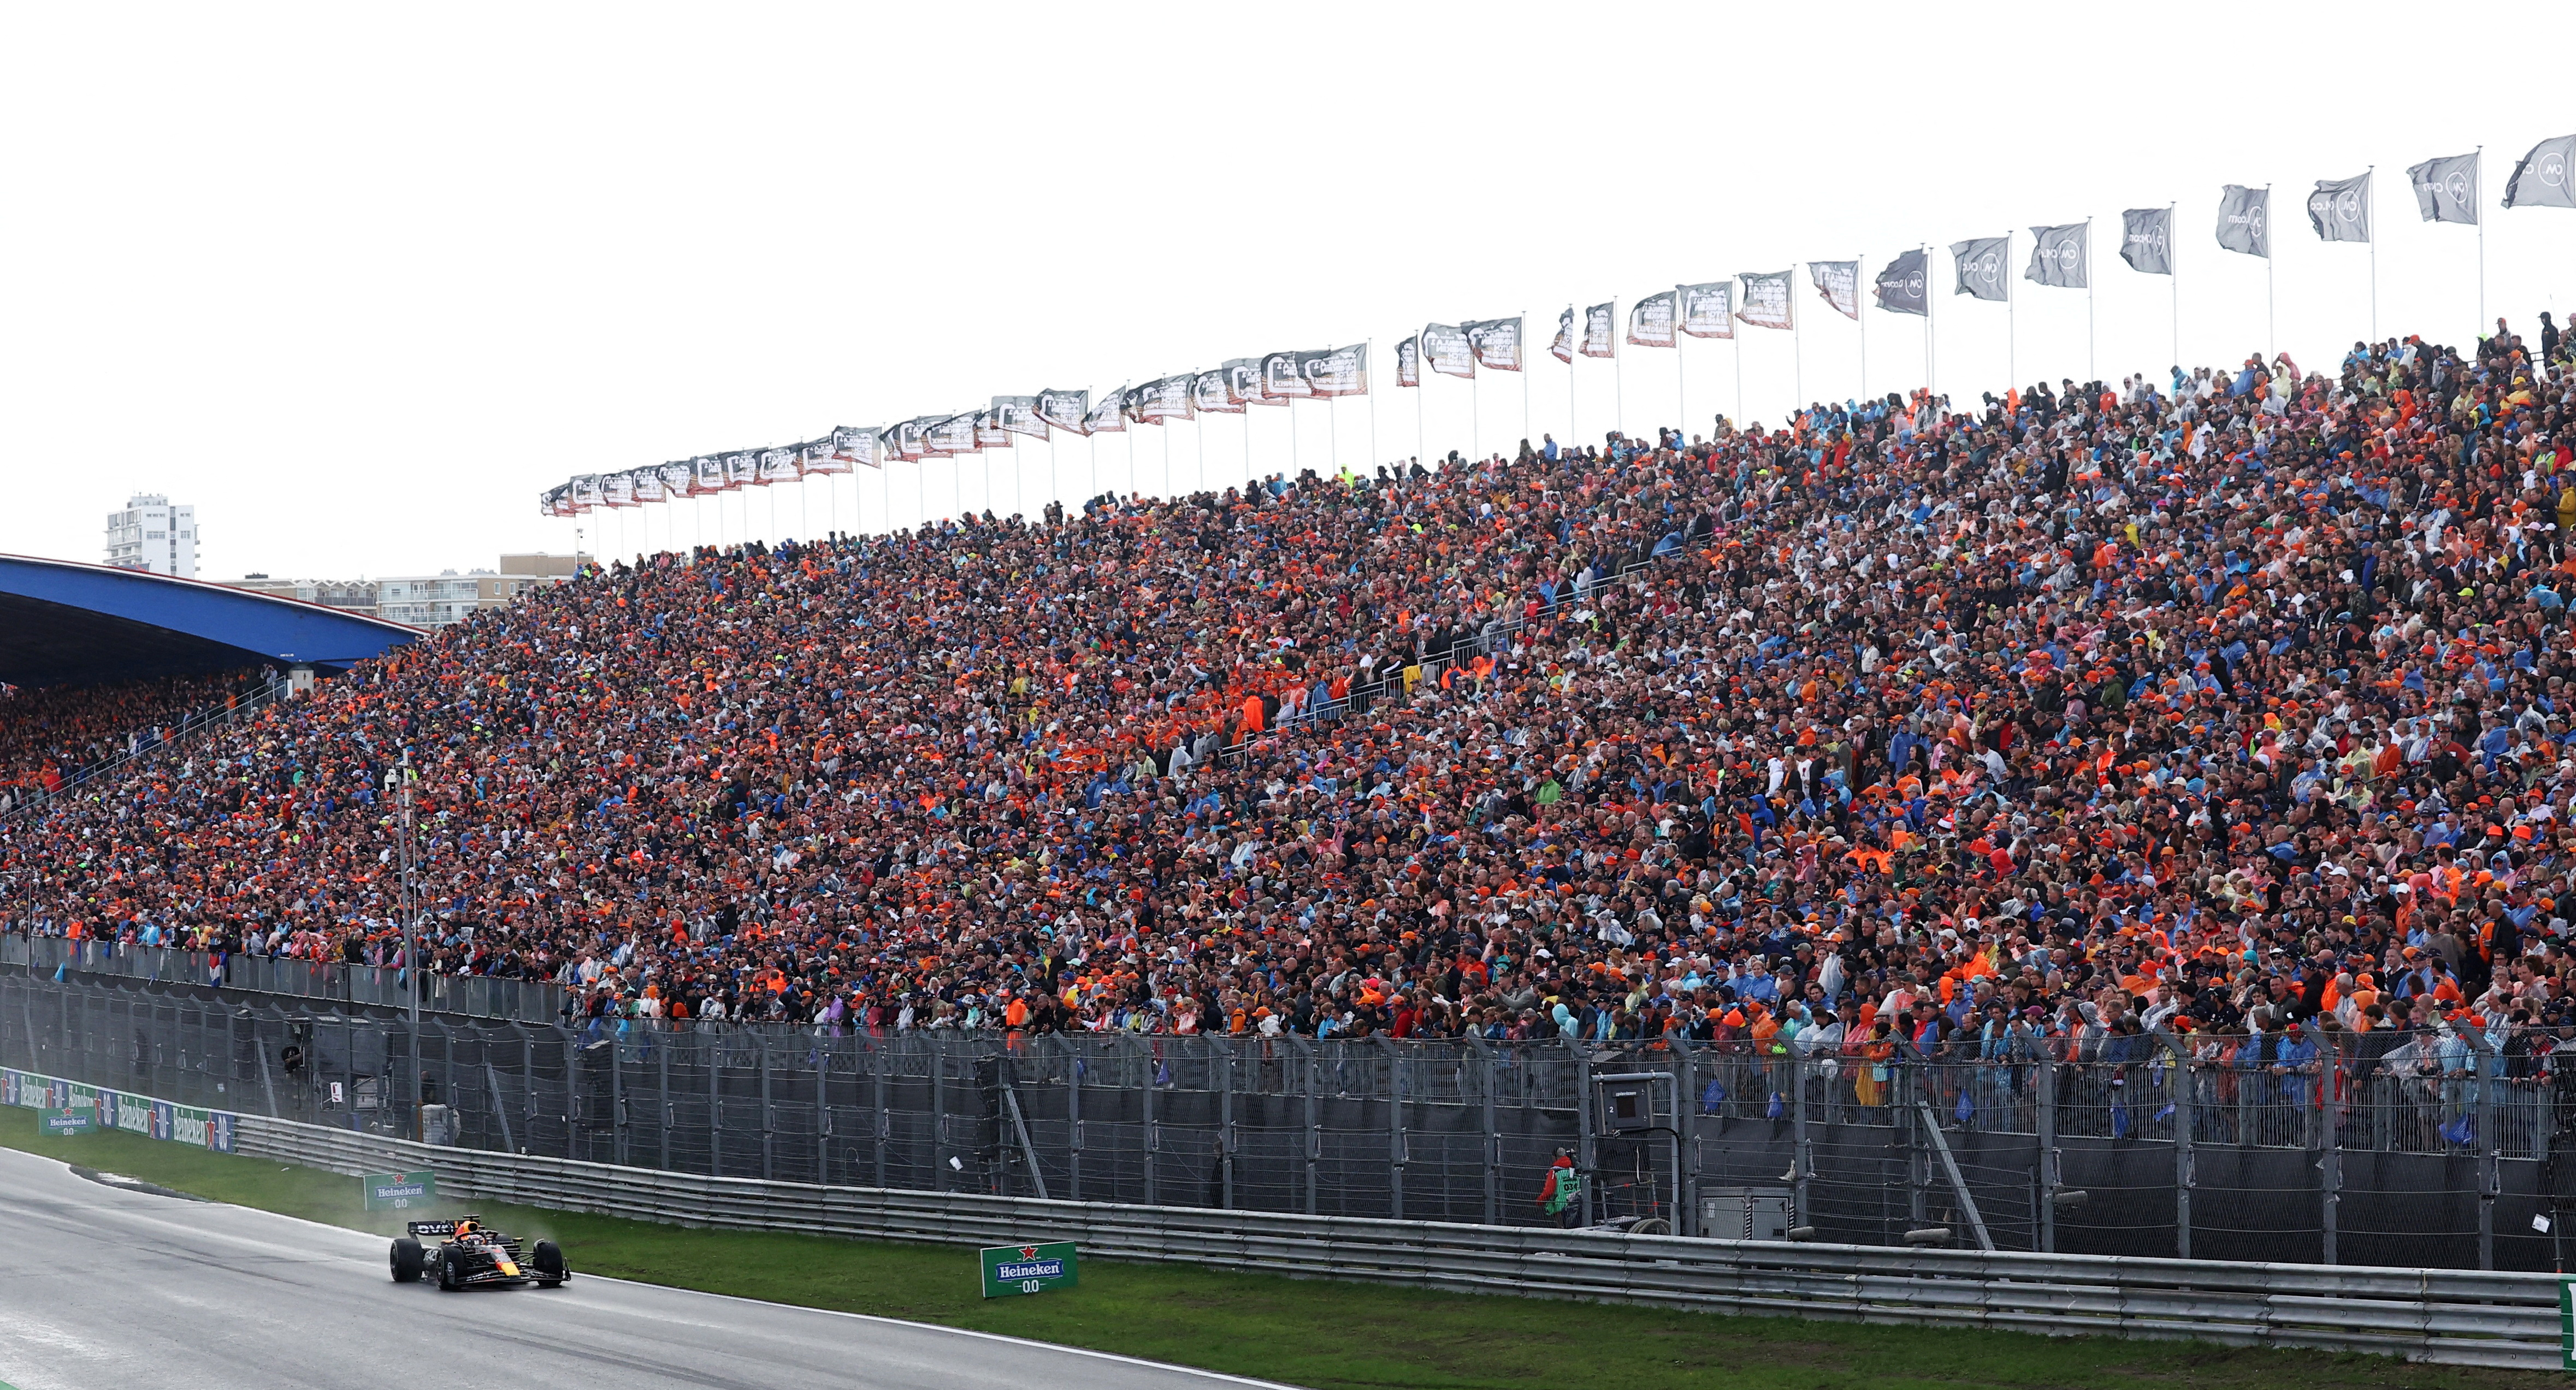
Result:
pixel 66 623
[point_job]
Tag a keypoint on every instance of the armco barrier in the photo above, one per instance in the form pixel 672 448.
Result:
pixel 2454 1317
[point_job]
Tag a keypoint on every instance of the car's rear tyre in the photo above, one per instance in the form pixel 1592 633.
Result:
pixel 407 1261
pixel 548 1261
pixel 447 1282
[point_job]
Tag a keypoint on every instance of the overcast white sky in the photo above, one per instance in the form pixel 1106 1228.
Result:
pixel 359 281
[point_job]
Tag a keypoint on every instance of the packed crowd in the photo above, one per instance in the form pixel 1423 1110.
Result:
pixel 2226 705
pixel 51 735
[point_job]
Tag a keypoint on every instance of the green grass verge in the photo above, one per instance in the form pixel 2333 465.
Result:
pixel 1330 1335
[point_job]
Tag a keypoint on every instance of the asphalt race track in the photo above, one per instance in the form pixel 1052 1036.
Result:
pixel 107 1287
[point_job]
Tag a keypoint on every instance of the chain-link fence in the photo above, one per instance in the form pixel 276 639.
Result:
pixel 2434 1154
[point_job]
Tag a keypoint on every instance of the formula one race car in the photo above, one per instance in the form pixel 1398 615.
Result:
pixel 470 1255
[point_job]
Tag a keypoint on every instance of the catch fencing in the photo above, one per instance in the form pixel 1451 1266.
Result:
pixel 2393 1162
pixel 2459 1318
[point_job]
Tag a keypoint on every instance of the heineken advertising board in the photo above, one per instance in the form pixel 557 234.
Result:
pixel 71 1119
pixel 399 1191
pixel 1019 1269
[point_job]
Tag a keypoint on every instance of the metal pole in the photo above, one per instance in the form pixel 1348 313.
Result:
pixel 1153 1140
pixel 1224 1117
pixel 2048 1173
pixel 2490 1175
pixel 1860 259
pixel 2173 268
pixel 411 951
pixel 1583 1162
pixel 1618 422
pixel 2481 185
pixel 1372 395
pixel 1520 356
pixel 1314 1129
pixel 2184 1087
pixel 2330 1165
pixel 1493 1133
pixel 1394 1127
pixel 1802 1153
pixel 1073 1123
pixel 2370 211
pixel 885 1117
pixel 2092 369
pixel 2271 326
pixel 1797 356
pixel 2012 321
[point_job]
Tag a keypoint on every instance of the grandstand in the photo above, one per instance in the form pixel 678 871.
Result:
pixel 2217 719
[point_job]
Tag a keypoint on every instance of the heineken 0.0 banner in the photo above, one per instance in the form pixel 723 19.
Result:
pixel 1011 1270
pixel 399 1191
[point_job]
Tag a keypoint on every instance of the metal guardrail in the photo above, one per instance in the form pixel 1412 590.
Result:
pixel 2451 1317
pixel 482 996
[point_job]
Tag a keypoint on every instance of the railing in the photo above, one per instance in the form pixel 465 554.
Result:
pixel 238 709
pixel 484 996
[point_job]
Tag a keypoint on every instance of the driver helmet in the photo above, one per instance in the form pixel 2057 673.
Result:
pixel 466 1228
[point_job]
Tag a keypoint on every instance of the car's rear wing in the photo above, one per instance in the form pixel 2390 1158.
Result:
pixel 440 1229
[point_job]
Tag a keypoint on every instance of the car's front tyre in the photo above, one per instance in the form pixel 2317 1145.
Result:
pixel 548 1261
pixel 407 1261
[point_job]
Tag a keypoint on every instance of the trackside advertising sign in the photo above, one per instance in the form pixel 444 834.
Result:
pixel 1010 1270
pixel 155 1119
pixel 399 1191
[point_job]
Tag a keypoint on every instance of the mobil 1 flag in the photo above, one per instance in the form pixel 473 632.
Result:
pixel 2245 220
pixel 2340 209
pixel 2541 179
pixel 2446 190
pixel 2057 256
pixel 2146 240
pixel 1905 286
pixel 1979 265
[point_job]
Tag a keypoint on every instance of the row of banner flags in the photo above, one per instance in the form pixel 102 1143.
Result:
pixel 2446 190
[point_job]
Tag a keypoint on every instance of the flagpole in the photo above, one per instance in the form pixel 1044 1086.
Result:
pixel 2370 214
pixel 2173 272
pixel 1797 348
pixel 1371 355
pixel 1421 394
pixel 1574 349
pixel 2092 369
pixel 1333 430
pixel 2271 324
pixel 1618 374
pixel 1520 354
pixel 1735 349
pixel 2480 218
pixel 1928 297
pixel 2012 322
pixel 1475 408
pixel 1681 367
pixel 1860 260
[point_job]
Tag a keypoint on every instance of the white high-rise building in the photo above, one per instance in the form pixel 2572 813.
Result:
pixel 150 534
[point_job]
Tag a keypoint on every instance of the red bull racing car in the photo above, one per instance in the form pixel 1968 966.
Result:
pixel 471 1255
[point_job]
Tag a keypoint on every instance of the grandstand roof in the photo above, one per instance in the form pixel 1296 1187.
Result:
pixel 62 622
